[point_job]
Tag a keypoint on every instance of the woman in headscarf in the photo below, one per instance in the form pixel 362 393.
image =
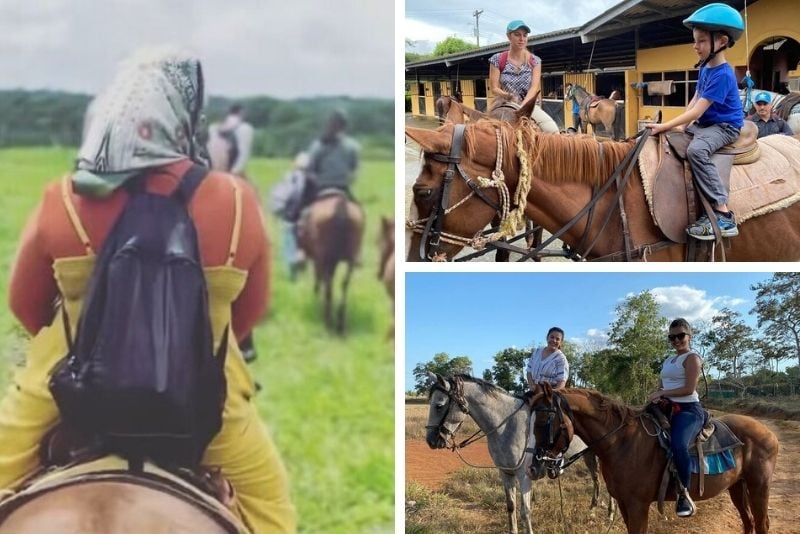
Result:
pixel 145 124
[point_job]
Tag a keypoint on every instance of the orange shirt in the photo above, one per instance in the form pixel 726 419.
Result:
pixel 49 234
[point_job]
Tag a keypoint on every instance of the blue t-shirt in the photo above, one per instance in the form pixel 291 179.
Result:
pixel 718 84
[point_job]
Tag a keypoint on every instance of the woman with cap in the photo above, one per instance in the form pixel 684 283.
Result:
pixel 678 383
pixel 767 122
pixel 516 74
pixel 145 124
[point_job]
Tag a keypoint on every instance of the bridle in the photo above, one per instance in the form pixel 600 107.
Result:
pixel 556 428
pixel 456 396
pixel 431 228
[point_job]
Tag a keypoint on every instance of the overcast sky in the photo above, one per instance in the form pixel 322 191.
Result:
pixel 248 47
pixel 434 21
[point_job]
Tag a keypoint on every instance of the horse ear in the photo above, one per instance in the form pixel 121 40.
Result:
pixel 430 140
pixel 526 110
pixel 474 114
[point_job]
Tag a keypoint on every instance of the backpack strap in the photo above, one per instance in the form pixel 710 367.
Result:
pixel 66 198
pixel 237 220
pixel 189 183
pixel 502 60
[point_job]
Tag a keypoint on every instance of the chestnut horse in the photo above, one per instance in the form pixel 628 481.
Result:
pixel 114 506
pixel 329 235
pixel 632 461
pixel 563 171
pixel 595 110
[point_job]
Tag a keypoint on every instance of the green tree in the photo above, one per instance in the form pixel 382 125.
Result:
pixel 778 307
pixel 452 45
pixel 637 346
pixel 507 371
pixel 441 364
pixel 732 347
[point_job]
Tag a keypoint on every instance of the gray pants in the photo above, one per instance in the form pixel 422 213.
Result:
pixel 706 141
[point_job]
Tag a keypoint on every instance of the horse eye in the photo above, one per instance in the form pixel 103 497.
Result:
pixel 422 193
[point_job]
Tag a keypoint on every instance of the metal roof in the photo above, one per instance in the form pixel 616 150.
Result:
pixel 609 40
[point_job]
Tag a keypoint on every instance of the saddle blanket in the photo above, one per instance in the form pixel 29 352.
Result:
pixel 717 450
pixel 769 184
pixel 715 463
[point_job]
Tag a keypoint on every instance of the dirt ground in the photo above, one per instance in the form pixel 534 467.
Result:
pixel 716 516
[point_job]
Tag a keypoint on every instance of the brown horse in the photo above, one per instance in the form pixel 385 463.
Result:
pixel 330 234
pixel 595 110
pixel 563 171
pixel 632 460
pixel 115 505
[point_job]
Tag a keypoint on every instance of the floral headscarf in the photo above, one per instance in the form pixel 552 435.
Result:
pixel 146 118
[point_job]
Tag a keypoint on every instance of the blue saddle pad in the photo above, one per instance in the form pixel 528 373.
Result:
pixel 716 463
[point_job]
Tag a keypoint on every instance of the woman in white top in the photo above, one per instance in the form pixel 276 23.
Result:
pixel 548 364
pixel 679 374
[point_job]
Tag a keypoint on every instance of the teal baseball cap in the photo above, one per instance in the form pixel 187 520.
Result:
pixel 515 25
pixel 763 96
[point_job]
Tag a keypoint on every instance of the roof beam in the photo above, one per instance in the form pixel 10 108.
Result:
pixel 587 36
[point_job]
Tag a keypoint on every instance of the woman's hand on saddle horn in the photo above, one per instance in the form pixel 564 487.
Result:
pixel 655 396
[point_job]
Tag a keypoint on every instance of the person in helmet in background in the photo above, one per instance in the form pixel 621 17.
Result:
pixel 714 117
pixel 767 122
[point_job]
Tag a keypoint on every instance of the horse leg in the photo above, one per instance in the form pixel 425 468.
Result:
pixel 738 493
pixel 500 255
pixel 635 515
pixel 525 487
pixel 343 299
pixel 591 463
pixel 511 498
pixel 328 304
pixel 757 494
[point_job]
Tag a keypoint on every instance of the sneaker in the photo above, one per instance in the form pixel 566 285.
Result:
pixel 703 230
pixel 684 506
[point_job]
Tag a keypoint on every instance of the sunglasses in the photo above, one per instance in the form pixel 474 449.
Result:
pixel 679 337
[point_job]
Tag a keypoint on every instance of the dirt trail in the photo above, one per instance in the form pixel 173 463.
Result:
pixel 716 516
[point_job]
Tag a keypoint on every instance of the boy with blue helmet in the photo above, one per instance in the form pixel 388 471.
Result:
pixel 714 117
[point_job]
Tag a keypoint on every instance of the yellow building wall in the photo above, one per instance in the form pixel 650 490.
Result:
pixel 429 103
pixel 468 93
pixel 414 92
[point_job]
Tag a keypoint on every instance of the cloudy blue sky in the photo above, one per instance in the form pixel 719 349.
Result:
pixel 430 22
pixel 249 47
pixel 479 314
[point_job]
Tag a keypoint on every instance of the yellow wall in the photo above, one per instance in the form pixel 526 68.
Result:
pixel 468 92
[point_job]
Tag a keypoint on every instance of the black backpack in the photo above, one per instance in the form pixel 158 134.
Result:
pixel 141 373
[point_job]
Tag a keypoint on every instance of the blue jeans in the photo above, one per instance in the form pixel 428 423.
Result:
pixel 686 424
pixel 706 141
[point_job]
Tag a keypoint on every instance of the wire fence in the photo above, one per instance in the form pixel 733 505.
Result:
pixel 767 389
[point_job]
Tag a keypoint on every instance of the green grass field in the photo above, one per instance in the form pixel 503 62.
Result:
pixel 329 402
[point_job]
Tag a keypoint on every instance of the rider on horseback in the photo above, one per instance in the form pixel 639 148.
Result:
pixel 716 108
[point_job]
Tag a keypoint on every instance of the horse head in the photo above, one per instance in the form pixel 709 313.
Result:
pixel 509 109
pixel 448 410
pixel 455 158
pixel 552 431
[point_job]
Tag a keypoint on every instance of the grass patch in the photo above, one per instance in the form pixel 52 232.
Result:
pixel 328 401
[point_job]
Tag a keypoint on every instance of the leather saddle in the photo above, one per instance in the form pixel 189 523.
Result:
pixel 675 199
pixel 714 437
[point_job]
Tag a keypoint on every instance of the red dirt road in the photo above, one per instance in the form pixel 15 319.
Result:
pixel 716 516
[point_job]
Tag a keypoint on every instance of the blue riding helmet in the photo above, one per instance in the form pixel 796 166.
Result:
pixel 763 96
pixel 717 18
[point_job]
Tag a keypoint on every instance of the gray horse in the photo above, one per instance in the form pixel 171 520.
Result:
pixel 504 419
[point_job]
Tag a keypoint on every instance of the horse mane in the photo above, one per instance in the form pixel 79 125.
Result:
pixel 471 146
pixel 609 406
pixel 571 158
pixel 490 389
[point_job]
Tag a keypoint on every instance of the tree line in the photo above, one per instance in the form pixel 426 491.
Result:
pixel 736 357
pixel 282 127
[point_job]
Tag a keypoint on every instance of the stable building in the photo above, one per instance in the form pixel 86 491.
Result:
pixel 627 48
